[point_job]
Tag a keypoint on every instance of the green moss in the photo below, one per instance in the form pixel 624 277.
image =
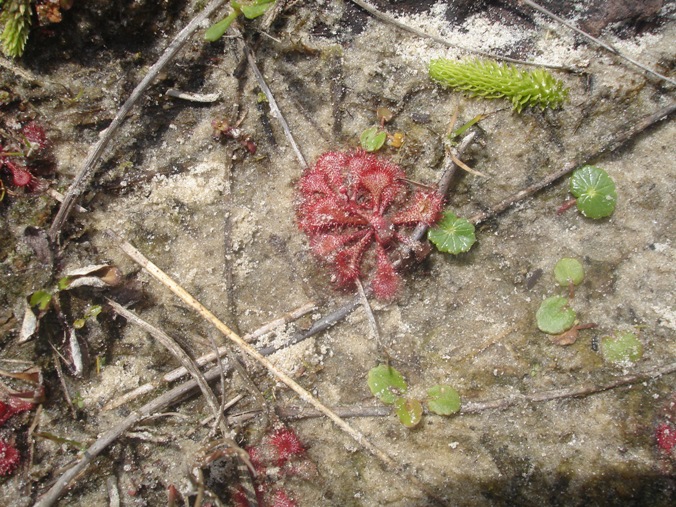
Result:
pixel 493 80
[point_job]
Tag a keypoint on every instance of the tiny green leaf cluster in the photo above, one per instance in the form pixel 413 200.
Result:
pixel 372 139
pixel 16 19
pixel 622 349
pixel 568 271
pixel 250 9
pixel 389 386
pixel 555 316
pixel 452 234
pixel 594 191
pixel 493 80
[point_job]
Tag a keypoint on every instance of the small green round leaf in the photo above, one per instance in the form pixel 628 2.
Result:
pixel 443 400
pixel 568 270
pixel 79 323
pixel 41 299
pixel 372 139
pixel 386 383
pixel 452 234
pixel 555 316
pixel 623 348
pixel 594 191
pixel 408 411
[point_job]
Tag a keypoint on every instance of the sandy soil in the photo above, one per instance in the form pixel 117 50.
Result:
pixel 221 222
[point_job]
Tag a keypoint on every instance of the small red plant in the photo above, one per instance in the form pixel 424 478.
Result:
pixel 665 434
pixel 9 458
pixel 279 455
pixel 23 153
pixel 13 405
pixel 355 207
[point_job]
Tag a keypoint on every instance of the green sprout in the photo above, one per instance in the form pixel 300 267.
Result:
pixel 372 139
pixel 443 400
pixel 452 234
pixel 16 19
pixel 40 299
pixel 250 9
pixel 493 80
pixel 568 271
pixel 555 316
pixel 622 349
pixel 388 385
pixel 594 191
pixel 409 411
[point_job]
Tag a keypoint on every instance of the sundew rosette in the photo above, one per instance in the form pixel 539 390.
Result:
pixel 493 80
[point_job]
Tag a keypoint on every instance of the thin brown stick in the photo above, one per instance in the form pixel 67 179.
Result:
pixel 86 174
pixel 170 344
pixel 604 45
pixel 274 108
pixel 385 459
pixel 177 373
pixel 188 299
pixel 389 19
pixel 614 143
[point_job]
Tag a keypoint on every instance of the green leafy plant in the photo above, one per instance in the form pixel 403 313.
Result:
pixel 594 191
pixel 555 315
pixel 452 234
pixel 568 271
pixel 624 348
pixel 389 386
pixel 250 9
pixel 493 80
pixel 16 20
pixel 443 400
pixel 386 383
pixel 372 139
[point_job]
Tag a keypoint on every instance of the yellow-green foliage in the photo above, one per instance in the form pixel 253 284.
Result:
pixel 16 19
pixel 493 80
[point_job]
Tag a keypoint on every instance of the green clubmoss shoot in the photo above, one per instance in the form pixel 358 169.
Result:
pixel 493 80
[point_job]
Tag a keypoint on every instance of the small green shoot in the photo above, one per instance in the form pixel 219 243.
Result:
pixel 443 400
pixel 41 299
pixel 409 411
pixel 594 191
pixel 555 316
pixel 452 234
pixel 91 313
pixel 250 9
pixel 389 386
pixel 568 271
pixel 372 139
pixel 386 383
pixel 622 349
pixel 462 129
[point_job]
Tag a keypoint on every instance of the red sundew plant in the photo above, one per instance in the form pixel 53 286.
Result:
pixel 21 155
pixel 355 207
pixel 280 455
pixel 9 458
pixel 665 434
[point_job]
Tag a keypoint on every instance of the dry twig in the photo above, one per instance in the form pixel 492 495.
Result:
pixel 389 19
pixel 84 177
pixel 604 45
pixel 306 396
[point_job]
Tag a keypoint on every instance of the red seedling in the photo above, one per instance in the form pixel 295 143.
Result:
pixel 354 207
pixel 9 458
pixel 286 445
pixel 11 406
pixel 665 435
